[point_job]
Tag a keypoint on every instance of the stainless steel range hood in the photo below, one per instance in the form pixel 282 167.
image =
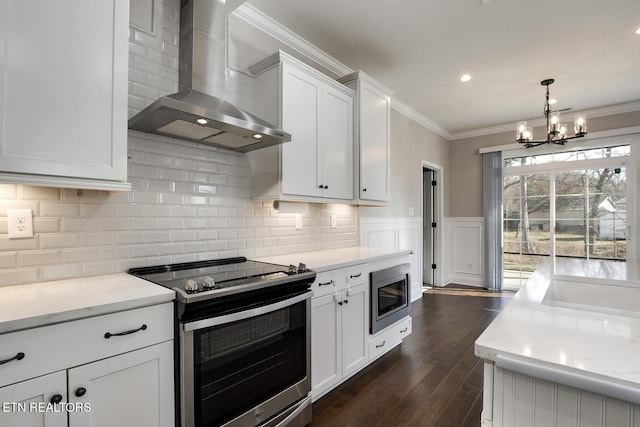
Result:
pixel 199 111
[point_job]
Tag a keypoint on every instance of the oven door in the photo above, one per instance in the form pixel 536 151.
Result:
pixel 243 368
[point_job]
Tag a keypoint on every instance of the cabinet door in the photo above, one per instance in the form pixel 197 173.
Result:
pixel 132 389
pixel 374 144
pixel 355 328
pixel 23 399
pixel 336 144
pixel 300 117
pixel 63 88
pixel 325 345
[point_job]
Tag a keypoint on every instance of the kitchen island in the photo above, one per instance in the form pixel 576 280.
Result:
pixel 566 350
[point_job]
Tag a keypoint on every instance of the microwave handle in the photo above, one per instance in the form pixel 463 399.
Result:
pixel 241 315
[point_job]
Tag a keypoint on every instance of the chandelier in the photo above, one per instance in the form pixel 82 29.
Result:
pixel 556 131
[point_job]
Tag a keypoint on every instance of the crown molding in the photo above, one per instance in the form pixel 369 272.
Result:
pixel 594 112
pixel 266 24
pixel 255 17
pixel 412 114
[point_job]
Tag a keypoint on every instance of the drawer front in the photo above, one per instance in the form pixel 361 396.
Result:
pixel 65 345
pixel 384 341
pixel 326 283
pixel 356 275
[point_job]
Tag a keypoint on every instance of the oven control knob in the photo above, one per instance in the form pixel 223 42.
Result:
pixel 292 269
pixel 208 283
pixel 191 286
pixel 302 268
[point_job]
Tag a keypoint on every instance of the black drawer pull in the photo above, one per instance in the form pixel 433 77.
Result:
pixel 353 276
pixel 330 282
pixel 18 356
pixel 81 391
pixel 56 398
pixel 381 345
pixel 404 330
pixel 119 334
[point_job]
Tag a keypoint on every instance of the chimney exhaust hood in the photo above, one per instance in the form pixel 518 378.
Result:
pixel 199 111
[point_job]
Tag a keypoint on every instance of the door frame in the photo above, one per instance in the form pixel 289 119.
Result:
pixel 438 277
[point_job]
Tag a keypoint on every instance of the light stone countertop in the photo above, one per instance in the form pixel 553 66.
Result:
pixel 45 303
pixel 601 345
pixel 332 259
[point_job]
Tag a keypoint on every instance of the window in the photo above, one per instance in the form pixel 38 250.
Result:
pixel 563 204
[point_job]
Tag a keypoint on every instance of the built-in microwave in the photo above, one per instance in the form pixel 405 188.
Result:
pixel 390 296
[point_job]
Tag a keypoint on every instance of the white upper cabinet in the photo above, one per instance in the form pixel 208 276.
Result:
pixel 317 164
pixel 63 93
pixel 372 146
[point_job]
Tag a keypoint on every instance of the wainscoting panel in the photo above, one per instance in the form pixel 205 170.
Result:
pixel 521 400
pixel 464 247
pixel 397 234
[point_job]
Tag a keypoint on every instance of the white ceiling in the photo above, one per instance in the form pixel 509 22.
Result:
pixel 420 48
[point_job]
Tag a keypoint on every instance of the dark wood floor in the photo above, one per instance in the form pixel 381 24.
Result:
pixel 432 379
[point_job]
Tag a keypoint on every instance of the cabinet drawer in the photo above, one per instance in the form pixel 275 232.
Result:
pixel 326 283
pixel 356 275
pixel 384 341
pixel 340 279
pixel 64 345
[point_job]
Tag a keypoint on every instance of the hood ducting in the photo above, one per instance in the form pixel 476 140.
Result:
pixel 199 111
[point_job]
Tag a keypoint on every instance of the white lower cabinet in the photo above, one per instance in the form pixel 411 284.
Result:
pixel 20 402
pixel 132 389
pixel 339 319
pixel 110 370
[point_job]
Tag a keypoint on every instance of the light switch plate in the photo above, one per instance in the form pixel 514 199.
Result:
pixel 334 221
pixel 20 223
pixel 298 221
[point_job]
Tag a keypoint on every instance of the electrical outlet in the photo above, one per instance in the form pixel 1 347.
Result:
pixel 20 223
pixel 334 221
pixel 298 221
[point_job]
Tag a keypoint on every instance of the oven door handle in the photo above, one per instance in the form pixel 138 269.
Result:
pixel 241 315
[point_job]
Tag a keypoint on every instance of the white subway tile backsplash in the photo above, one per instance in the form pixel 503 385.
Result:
pixel 37 258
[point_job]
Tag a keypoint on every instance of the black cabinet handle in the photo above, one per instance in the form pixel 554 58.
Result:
pixel 381 345
pixel 80 391
pixel 364 189
pixel 404 330
pixel 346 301
pixel 320 186
pixel 119 334
pixel 326 186
pixel 330 282
pixel 56 398
pixel 353 276
pixel 18 356
pixel 339 302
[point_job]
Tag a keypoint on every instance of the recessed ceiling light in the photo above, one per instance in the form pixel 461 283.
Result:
pixel 257 136
pixel 638 31
pixel 202 121
pixel 465 78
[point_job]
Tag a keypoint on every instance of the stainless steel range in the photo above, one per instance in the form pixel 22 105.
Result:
pixel 243 354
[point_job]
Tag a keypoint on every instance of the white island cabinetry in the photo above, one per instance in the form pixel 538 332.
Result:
pixel 317 164
pixel 564 351
pixel 63 93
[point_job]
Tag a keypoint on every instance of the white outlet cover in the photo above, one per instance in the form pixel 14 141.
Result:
pixel 298 221
pixel 334 221
pixel 20 223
